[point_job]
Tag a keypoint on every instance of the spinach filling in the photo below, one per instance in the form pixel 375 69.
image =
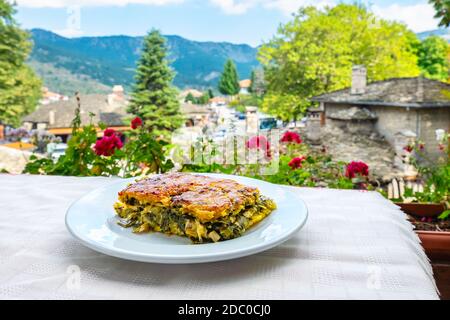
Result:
pixel 168 220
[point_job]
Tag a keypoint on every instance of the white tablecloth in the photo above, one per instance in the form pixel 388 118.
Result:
pixel 355 245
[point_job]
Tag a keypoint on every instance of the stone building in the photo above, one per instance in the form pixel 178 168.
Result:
pixel 194 114
pixel 56 117
pixel 390 108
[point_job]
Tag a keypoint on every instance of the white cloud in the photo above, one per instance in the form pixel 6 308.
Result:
pixel 290 6
pixel 286 6
pixel 418 17
pixel 235 6
pixel 90 3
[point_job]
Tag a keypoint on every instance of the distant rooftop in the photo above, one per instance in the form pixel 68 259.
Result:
pixel 60 114
pixel 246 83
pixel 415 92
pixel 190 109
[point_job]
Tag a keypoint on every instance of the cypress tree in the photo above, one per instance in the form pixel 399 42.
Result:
pixel 252 79
pixel 154 98
pixel 229 81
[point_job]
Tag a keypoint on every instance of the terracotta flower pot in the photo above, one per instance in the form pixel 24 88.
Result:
pixel 436 244
pixel 422 209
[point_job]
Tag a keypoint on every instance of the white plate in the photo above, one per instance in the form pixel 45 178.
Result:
pixel 92 220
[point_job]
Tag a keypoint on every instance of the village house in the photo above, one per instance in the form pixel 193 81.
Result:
pixel 218 101
pixel 56 117
pixel 49 96
pixel 194 114
pixel 399 109
pixel 244 86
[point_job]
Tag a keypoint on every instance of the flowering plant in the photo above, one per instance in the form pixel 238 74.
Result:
pixel 356 169
pixel 434 173
pixel 17 135
pixel 291 137
pixel 260 143
pixel 299 165
pixel 136 123
pixel 107 145
pixel 144 153
pixel 296 163
pixel 125 154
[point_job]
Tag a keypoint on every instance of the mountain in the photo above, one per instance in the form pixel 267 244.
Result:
pixel 94 64
pixel 443 33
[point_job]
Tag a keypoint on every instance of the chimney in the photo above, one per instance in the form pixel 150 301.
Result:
pixel 51 118
pixel 359 80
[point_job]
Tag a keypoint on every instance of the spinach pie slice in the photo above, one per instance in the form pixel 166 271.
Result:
pixel 203 208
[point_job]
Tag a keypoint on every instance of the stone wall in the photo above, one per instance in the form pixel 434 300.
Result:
pixel 430 121
pixel 12 160
pixel 392 120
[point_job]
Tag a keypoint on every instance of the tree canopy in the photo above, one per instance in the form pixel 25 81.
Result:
pixel 20 89
pixel 258 85
pixel 154 98
pixel 314 53
pixel 229 81
pixel 442 8
pixel 433 58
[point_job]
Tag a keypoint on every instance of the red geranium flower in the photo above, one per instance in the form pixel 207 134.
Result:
pixel 136 123
pixel 109 132
pixel 357 167
pixel 421 146
pixel 408 149
pixel 259 142
pixel 441 147
pixel 107 145
pixel 290 136
pixel 296 163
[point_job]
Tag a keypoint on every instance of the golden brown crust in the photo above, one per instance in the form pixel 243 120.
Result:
pixel 200 196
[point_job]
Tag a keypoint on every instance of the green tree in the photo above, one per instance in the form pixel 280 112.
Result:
pixel 258 85
pixel 442 8
pixel 154 98
pixel 190 98
pixel 252 80
pixel 210 93
pixel 20 89
pixel 229 81
pixel 432 58
pixel 314 53
pixel 204 99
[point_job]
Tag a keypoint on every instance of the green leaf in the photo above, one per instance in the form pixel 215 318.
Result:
pixel 444 215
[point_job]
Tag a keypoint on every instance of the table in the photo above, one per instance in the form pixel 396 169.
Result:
pixel 355 245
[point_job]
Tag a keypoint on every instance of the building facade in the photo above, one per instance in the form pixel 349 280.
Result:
pixel 56 117
pixel 416 105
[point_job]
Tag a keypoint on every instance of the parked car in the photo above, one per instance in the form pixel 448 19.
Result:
pixel 240 116
pixel 268 124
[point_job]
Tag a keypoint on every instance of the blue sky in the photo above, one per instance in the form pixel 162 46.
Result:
pixel 237 21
